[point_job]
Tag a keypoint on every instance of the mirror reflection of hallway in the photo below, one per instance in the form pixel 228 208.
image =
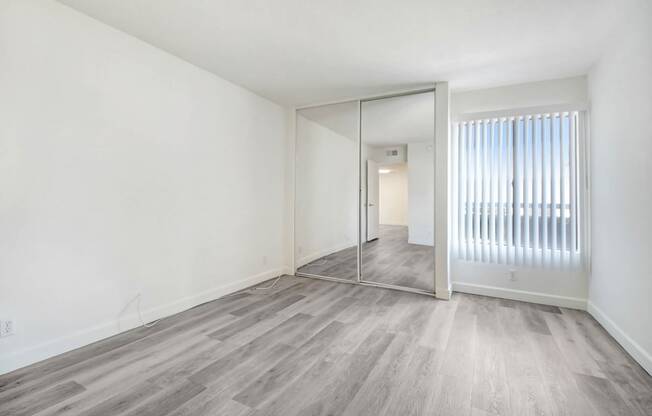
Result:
pixel 397 209
pixel 326 195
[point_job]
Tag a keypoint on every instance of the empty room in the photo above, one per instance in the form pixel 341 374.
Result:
pixel 289 208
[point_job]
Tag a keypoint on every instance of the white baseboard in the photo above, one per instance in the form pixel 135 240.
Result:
pixel 321 253
pixel 522 295
pixel 644 358
pixel 30 355
pixel 443 293
pixel 421 242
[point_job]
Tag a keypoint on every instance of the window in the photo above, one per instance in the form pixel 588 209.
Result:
pixel 517 189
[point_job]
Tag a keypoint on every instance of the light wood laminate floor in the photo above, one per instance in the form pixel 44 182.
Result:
pixel 390 259
pixel 311 347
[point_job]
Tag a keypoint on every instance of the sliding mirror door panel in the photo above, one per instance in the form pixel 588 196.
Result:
pixel 398 191
pixel 326 195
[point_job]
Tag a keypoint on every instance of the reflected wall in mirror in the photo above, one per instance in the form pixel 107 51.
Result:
pixel 326 196
pixel 398 180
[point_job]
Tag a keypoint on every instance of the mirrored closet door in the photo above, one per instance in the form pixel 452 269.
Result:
pixel 326 193
pixel 397 161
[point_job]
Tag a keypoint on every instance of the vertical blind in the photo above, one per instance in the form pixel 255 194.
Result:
pixel 516 190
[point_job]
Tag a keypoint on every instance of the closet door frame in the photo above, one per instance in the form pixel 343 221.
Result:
pixel 359 280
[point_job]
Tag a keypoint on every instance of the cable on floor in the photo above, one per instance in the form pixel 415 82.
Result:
pixel 269 287
pixel 140 315
pixel 153 323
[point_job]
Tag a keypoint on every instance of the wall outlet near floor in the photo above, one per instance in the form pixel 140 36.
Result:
pixel 6 328
pixel 512 275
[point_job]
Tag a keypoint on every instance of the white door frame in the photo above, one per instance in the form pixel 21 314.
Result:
pixel 372 167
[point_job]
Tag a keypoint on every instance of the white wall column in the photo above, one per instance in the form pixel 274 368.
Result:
pixel 442 191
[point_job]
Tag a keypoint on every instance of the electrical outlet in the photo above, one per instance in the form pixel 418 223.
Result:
pixel 512 275
pixel 264 260
pixel 6 328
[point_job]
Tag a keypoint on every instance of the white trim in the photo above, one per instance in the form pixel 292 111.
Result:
pixel 358 259
pixel 30 355
pixel 443 293
pixel 644 358
pixel 512 112
pixel 442 191
pixel 586 188
pixel 291 184
pixel 427 87
pixel 421 242
pixel 522 295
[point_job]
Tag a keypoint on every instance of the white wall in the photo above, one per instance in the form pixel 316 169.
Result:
pixel 421 193
pixel 326 182
pixel 123 170
pixel 393 204
pixel 442 197
pixel 534 94
pixel 565 288
pixel 620 87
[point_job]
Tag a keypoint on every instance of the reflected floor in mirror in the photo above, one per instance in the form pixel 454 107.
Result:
pixel 340 264
pixel 390 260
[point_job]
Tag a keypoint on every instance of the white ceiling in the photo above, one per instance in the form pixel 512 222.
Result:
pixel 307 51
pixel 385 122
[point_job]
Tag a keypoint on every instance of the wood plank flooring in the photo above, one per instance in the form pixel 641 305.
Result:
pixel 311 347
pixel 390 259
